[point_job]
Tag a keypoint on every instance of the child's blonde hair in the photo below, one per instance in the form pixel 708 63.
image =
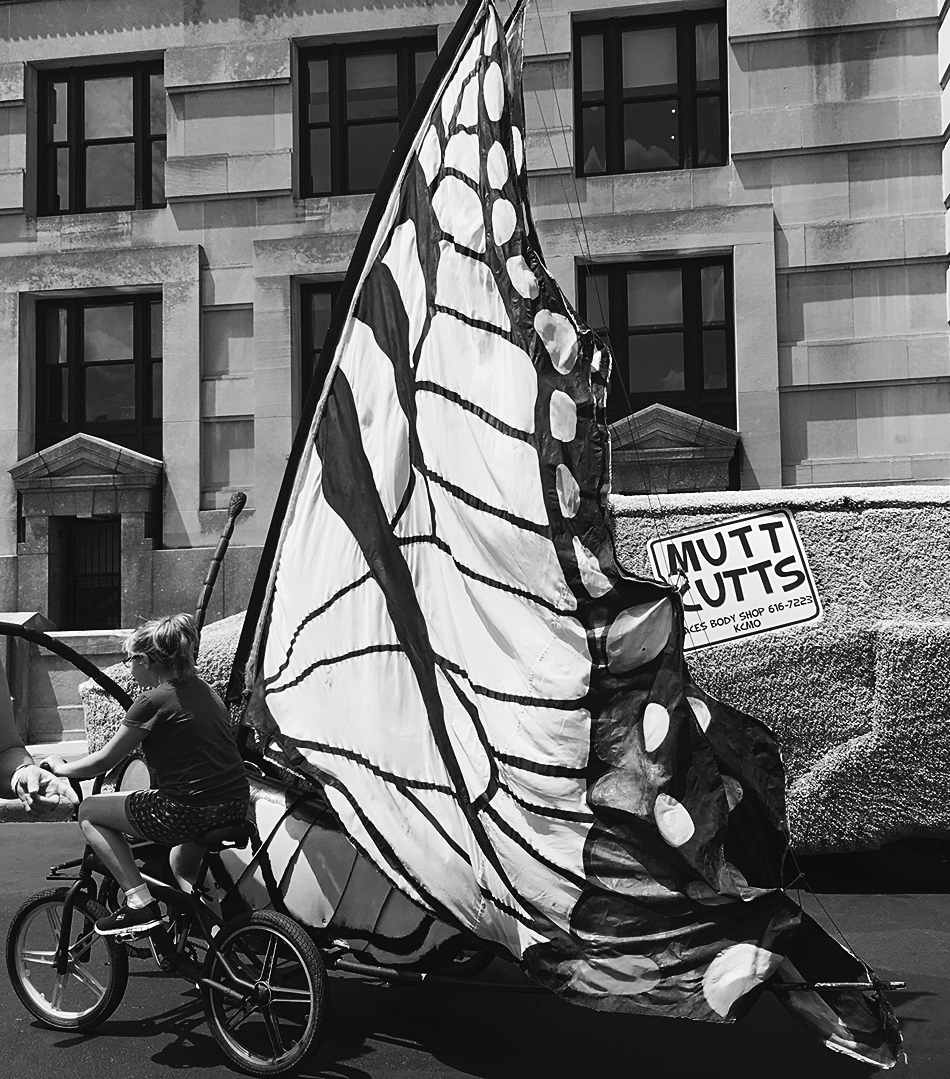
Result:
pixel 171 642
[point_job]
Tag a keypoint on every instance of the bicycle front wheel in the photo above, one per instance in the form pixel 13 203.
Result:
pixel 97 968
pixel 271 1018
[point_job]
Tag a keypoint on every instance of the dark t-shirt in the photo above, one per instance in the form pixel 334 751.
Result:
pixel 189 745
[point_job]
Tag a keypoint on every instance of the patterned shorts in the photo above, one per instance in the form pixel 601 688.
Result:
pixel 163 820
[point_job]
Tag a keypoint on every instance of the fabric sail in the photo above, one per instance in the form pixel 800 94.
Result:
pixel 441 636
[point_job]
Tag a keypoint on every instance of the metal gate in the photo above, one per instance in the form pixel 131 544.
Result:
pixel 91 581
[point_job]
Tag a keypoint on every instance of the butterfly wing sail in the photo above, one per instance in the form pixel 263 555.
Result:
pixel 501 718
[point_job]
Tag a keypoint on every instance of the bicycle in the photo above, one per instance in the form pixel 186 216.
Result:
pixel 263 983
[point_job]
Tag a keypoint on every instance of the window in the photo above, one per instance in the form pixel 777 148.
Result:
pixel 316 307
pixel 99 371
pixel 650 93
pixel 670 327
pixel 227 459
pixel 354 101
pixel 102 139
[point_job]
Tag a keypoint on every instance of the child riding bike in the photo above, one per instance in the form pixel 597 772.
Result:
pixel 185 734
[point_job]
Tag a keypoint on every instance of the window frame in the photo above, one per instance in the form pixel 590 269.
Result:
pixel 716 405
pixel 336 55
pixel 143 433
pixel 311 372
pixel 142 137
pixel 611 31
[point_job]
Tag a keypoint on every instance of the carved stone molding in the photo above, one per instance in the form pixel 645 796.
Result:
pixel 662 450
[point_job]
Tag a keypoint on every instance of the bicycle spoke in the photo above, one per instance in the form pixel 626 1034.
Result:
pixel 43 959
pixel 273 1032
pixel 269 960
pixel 84 977
pixel 52 916
pixel 239 1017
pixel 58 990
pixel 285 995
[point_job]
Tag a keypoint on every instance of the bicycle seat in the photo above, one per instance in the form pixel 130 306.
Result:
pixel 231 835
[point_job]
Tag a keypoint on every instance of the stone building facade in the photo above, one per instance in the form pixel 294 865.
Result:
pixel 751 196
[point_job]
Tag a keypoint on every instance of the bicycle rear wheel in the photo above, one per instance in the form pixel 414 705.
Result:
pixel 277 1021
pixel 97 970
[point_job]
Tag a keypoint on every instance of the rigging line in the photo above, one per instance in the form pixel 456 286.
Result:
pixel 800 880
pixel 584 242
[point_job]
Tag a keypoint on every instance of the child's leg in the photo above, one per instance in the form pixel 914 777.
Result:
pixel 185 861
pixel 104 823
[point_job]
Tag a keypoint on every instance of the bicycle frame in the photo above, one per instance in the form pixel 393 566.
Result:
pixel 169 953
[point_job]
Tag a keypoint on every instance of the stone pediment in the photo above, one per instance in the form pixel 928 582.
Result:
pixel 661 427
pixel 85 461
pixel 660 449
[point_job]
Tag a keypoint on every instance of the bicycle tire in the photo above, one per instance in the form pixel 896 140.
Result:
pixel 278 1024
pixel 98 970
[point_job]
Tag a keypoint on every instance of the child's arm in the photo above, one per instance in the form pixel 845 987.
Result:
pixel 119 746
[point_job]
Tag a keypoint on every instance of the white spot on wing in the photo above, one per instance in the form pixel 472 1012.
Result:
pixel 734 972
pixel 656 725
pixel 497 165
pixel 521 277
pixel 638 635
pixel 568 493
pixel 430 155
pixel 459 212
pixel 559 337
pixel 461 154
pixel 673 819
pixel 503 221
pixel 494 90
pixel 563 415
pixel 592 576
pixel 700 711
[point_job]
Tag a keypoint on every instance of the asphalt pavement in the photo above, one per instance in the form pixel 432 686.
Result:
pixel 431 1031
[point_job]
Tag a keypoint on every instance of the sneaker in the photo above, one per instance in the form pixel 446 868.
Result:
pixel 129 920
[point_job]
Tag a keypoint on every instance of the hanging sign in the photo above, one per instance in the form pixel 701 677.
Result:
pixel 745 576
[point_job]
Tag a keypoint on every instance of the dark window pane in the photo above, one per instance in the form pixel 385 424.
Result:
pixel 54 331
pixel 156 104
pixel 596 299
pixel 649 59
pixel 708 131
pixel 107 333
pixel 57 395
pixel 320 161
pixel 714 293
pixel 158 172
pixel 654 298
pixel 319 107
pixel 156 391
pixel 656 363
pixel 59 196
pixel 651 136
pixel 59 111
pixel 371 87
pixel 425 58
pixel 369 147
pixel 155 329
pixel 714 360
pixel 321 307
pixel 707 55
pixel 592 66
pixel 110 175
pixel 108 107
pixel 594 140
pixel 110 393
